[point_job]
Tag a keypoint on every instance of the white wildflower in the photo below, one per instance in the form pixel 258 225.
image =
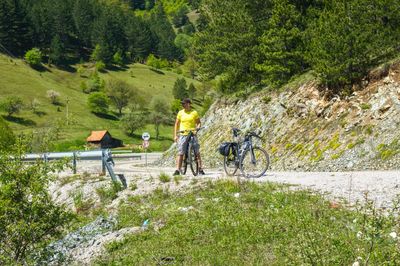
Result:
pixel 393 235
pixel 359 234
pixel 236 195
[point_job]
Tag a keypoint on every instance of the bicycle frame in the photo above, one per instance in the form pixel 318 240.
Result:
pixel 244 146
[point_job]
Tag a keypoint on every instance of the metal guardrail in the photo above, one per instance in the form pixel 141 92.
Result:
pixel 104 155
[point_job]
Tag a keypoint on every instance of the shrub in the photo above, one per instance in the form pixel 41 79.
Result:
pixel 117 59
pixel 53 96
pixel 98 103
pixel 7 138
pixel 133 121
pixel 100 66
pixel 12 105
pixel 29 218
pixel 153 61
pixel 33 57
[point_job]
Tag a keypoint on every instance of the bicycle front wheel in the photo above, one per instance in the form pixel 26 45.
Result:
pixel 230 165
pixel 254 163
pixel 194 163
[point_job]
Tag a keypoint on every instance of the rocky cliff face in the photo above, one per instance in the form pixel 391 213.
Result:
pixel 304 129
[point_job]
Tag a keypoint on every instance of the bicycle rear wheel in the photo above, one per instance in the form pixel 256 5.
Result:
pixel 230 165
pixel 194 163
pixel 254 166
pixel 184 164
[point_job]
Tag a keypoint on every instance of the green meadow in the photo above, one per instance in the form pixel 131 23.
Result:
pixel 19 79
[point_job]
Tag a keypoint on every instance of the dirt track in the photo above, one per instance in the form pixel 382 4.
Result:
pixel 381 186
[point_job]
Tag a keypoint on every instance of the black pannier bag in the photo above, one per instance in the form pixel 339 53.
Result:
pixel 227 148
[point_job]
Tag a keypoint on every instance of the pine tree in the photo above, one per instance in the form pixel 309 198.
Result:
pixel 348 39
pixel 108 32
pixel 15 31
pixel 139 38
pixel 83 15
pixel 192 91
pixel 281 45
pixel 57 50
pixel 165 35
pixel 228 44
pixel 180 89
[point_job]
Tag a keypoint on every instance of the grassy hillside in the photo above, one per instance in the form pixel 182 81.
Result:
pixel 17 78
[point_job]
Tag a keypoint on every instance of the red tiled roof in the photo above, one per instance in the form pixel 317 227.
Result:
pixel 96 136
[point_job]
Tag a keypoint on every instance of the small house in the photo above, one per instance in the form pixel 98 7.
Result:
pixel 103 140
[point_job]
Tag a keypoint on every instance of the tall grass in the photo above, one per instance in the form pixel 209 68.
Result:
pixel 225 223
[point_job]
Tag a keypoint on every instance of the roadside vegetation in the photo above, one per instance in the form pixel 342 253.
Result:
pixel 252 224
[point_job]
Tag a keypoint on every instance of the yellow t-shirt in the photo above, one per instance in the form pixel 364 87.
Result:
pixel 187 119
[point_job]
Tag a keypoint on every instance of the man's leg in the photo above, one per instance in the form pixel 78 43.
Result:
pixel 199 160
pixel 179 159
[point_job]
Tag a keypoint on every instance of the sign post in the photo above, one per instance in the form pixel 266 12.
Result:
pixel 146 143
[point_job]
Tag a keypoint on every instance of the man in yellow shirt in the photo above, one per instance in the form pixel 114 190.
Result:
pixel 187 119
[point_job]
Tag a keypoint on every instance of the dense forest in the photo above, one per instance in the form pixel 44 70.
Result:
pixel 238 43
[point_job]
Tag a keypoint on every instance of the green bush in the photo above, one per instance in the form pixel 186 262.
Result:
pixel 98 103
pixel 157 63
pixel 100 65
pixel 29 219
pixel 7 138
pixel 12 105
pixel 117 59
pixel 33 57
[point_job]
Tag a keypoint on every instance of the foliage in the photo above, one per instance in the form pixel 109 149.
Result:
pixel 54 96
pixel 7 138
pixel 281 44
pixel 179 18
pixel 15 31
pixel 29 218
pixel 100 65
pixel 157 63
pixel 34 57
pixel 206 104
pixel 350 37
pixel 183 41
pixel 162 29
pixel 228 44
pixel 120 93
pixel 176 106
pixel 98 102
pixel 12 105
pixel 159 113
pixel 95 83
pixel 180 89
pixel 133 120
pixel 57 51
pixel 118 59
pixel 192 91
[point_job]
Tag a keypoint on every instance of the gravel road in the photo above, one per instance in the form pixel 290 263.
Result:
pixel 381 186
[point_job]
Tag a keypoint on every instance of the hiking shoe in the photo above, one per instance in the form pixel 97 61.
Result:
pixel 201 172
pixel 177 172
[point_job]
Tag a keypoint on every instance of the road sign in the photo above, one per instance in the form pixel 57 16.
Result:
pixel 145 144
pixel 145 136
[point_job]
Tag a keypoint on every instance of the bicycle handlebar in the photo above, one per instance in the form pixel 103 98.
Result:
pixel 236 132
pixel 191 130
